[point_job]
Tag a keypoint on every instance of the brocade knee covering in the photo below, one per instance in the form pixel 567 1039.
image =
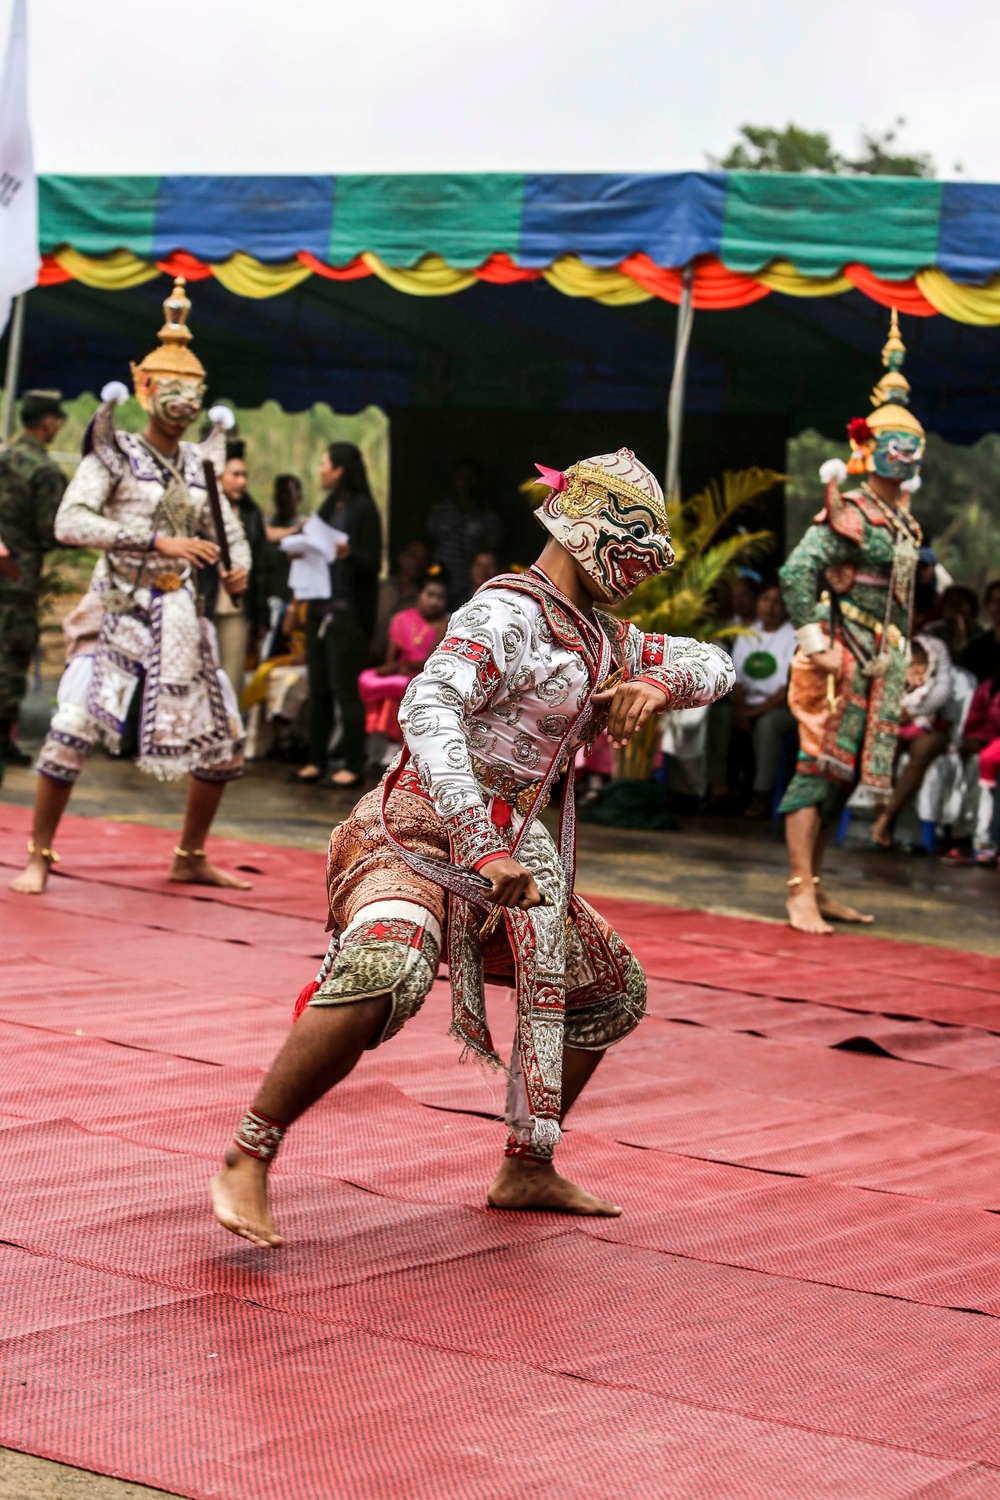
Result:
pixel 605 985
pixel 68 745
pixel 391 948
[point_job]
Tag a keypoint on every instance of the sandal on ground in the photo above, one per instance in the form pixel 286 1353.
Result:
pixel 984 859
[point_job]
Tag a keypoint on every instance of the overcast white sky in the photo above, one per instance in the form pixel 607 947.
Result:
pixel 438 85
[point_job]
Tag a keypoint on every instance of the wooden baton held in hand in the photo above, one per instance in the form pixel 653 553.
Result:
pixel 215 506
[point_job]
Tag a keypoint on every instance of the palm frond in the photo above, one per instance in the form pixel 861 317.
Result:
pixel 700 519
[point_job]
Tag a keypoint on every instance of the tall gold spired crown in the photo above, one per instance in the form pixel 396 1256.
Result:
pixel 891 396
pixel 171 359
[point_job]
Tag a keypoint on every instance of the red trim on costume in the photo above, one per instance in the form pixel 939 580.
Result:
pixel 501 813
pixel 305 995
pixel 525 1152
pixel 656 683
pixel 654 648
pixel 488 859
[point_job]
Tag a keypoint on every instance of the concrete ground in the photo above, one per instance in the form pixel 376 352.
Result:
pixel 722 865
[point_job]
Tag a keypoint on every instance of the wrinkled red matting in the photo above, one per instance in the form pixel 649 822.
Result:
pixel 801 1299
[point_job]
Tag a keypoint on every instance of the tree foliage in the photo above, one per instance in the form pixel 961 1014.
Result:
pixel 762 148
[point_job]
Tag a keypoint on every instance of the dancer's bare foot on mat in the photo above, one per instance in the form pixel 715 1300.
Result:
pixel 33 878
pixel 194 869
pixel 239 1200
pixel 803 911
pixel 838 911
pixel 523 1184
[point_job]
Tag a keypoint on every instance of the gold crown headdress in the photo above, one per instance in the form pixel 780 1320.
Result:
pixel 171 359
pixel 891 395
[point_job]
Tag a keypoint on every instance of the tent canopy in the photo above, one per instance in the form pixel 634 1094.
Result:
pixel 533 291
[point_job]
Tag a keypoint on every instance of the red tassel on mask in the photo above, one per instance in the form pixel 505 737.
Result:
pixel 305 995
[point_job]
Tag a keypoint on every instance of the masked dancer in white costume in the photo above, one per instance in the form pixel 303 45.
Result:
pixel 136 640
pixel 449 852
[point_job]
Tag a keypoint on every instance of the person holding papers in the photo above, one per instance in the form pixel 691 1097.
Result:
pixel 338 574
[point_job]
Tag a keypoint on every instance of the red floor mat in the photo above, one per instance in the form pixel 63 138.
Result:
pixel 346 1413
pixel 869 1368
pixel 938 1045
pixel 702 1118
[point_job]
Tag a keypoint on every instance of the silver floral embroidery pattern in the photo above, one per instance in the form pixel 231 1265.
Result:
pixel 509 693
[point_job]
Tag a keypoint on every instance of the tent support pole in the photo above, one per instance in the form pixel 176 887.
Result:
pixel 13 373
pixel 675 404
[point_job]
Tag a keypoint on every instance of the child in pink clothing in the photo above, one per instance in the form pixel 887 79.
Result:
pixel 413 635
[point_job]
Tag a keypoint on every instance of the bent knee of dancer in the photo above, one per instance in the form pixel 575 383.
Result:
pixel 68 745
pixel 385 950
pixel 596 1025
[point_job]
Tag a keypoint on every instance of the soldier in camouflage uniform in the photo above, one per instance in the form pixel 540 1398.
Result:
pixel 31 487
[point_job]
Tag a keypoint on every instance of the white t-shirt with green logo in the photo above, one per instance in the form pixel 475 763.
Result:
pixel 762 659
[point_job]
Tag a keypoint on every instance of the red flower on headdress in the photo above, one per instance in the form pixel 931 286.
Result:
pixel 859 432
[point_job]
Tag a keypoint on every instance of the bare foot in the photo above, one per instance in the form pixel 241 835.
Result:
pixel 523 1184
pixel 837 911
pixel 803 911
pixel 33 878
pixel 239 1200
pixel 194 869
pixel 345 779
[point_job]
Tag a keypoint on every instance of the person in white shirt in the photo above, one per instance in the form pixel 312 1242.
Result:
pixel 762 659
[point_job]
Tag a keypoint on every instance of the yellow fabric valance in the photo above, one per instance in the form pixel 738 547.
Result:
pixel 107 273
pixel 966 304
pixel 781 276
pixel 432 277
pixel 248 277
pixel 608 285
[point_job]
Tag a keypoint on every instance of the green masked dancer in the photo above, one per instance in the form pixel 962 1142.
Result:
pixel 848 589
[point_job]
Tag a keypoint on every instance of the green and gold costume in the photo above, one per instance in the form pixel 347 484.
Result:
pixel 852 573
pixel 848 588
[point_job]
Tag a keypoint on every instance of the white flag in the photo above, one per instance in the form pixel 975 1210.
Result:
pixel 19 259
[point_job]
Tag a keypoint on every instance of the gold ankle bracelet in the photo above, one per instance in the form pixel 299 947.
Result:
pixel 798 880
pixel 49 854
pixel 188 853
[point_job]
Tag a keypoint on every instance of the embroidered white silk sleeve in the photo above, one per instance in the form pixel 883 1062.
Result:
pixel 81 521
pixel 473 666
pixel 691 673
pixel 239 547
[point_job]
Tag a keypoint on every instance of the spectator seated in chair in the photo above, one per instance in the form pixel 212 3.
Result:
pixel 762 659
pixel 982 655
pixel 957 626
pixel 413 634
pixel 982 737
pixel 923 729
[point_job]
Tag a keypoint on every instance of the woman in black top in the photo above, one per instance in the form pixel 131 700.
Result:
pixel 338 629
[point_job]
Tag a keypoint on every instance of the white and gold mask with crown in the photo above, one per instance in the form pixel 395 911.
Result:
pixel 609 514
pixel 170 381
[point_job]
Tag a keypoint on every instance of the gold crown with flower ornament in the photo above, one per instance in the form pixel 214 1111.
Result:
pixel 891 395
